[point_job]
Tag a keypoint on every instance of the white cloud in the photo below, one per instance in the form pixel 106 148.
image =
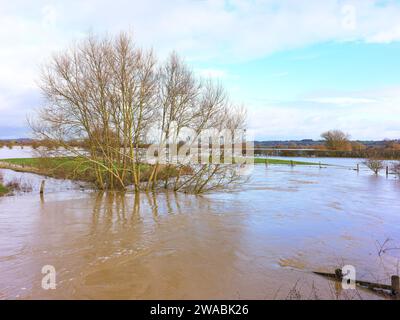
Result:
pixel 212 73
pixel 213 30
pixel 375 116
pixel 49 16
pixel 342 101
pixel 387 36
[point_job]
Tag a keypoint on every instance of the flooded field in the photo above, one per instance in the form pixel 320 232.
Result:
pixel 261 241
pixel 16 152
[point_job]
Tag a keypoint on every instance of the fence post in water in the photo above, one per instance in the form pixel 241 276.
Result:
pixel 320 165
pixel 338 274
pixel 358 167
pixel 396 286
pixel 42 187
pixel 266 162
pixel 387 171
pixel 291 163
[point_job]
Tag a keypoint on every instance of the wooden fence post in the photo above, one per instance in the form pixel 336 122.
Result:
pixel 339 274
pixel 42 187
pixel 387 171
pixel 358 167
pixel 396 286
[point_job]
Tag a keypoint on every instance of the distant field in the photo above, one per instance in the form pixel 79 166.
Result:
pixel 284 162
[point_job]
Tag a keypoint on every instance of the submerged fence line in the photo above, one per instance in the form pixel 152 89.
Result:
pixel 386 169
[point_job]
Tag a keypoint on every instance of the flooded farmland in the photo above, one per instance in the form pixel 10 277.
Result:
pixel 257 242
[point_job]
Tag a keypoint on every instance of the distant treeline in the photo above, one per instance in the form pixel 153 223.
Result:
pixel 307 143
pixel 335 143
pixel 15 143
pixel 387 149
pixel 380 153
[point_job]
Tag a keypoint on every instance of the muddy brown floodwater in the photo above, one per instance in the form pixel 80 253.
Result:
pixel 261 241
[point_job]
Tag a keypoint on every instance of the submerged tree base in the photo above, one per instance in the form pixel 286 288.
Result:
pixel 79 169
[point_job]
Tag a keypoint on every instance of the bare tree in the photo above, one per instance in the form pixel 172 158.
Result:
pixel 375 165
pixel 101 91
pixel 336 140
pixel 187 102
pixel 114 98
pixel 396 168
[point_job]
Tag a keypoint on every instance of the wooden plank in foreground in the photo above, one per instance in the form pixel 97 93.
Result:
pixel 394 288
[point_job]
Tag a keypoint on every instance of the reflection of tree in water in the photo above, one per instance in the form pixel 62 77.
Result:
pixel 127 245
pixel 157 243
pixel 120 209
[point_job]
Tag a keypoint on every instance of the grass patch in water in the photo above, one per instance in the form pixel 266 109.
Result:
pixel 3 190
pixel 73 168
pixel 61 167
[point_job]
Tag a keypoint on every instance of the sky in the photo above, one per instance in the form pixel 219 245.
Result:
pixel 301 67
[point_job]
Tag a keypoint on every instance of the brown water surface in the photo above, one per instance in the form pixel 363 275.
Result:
pixel 258 242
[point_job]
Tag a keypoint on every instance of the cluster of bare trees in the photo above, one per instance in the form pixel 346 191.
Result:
pixel 376 165
pixel 396 169
pixel 118 98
